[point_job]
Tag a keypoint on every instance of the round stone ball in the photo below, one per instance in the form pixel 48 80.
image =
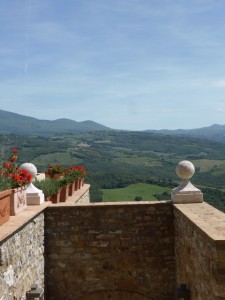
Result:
pixel 30 168
pixel 185 169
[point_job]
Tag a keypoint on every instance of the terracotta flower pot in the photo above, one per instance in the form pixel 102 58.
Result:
pixel 53 177
pixel 18 201
pixel 79 184
pixel 55 198
pixel 64 193
pixel 5 206
pixel 76 185
pixel 71 188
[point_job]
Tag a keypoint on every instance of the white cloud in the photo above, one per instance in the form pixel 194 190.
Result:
pixel 220 109
pixel 133 61
pixel 220 83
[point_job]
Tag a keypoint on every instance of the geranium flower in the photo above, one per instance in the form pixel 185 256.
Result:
pixel 19 177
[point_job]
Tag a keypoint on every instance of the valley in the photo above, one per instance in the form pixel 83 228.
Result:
pixel 121 159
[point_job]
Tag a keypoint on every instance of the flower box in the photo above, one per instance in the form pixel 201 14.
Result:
pixel 53 177
pixel 64 193
pixel 18 200
pixel 55 198
pixel 71 188
pixel 77 184
pixel 5 205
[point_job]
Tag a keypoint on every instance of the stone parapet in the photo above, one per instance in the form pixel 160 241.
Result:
pixel 21 257
pixel 22 248
pixel 119 248
pixel 200 250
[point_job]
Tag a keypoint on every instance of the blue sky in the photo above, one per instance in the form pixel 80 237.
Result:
pixel 127 64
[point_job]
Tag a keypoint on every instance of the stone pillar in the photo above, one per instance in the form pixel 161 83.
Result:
pixel 186 192
pixel 34 195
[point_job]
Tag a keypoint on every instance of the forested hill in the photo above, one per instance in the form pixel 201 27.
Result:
pixel 25 125
pixel 117 159
pixel 214 132
pixel 19 124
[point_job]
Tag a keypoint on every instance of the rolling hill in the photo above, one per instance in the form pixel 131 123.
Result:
pixel 24 125
pixel 214 132
pixel 19 124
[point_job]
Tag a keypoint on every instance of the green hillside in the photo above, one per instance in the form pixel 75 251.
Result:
pixel 23 125
pixel 118 159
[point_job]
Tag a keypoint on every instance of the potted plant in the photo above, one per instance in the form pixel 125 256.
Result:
pixel 50 188
pixel 54 172
pixel 79 173
pixel 5 194
pixel 71 175
pixel 18 179
pixel 64 191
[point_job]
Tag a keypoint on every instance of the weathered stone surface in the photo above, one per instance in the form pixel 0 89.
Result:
pixel 22 260
pixel 114 251
pixel 200 250
pixel 110 247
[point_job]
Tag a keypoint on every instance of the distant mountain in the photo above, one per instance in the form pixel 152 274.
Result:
pixel 214 132
pixel 19 124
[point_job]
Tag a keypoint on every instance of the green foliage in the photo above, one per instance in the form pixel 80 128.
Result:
pixel 5 183
pixel 96 195
pixel 215 197
pixel 163 196
pixel 117 159
pixel 48 186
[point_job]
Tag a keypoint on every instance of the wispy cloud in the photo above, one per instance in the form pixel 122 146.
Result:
pixel 220 109
pixel 220 83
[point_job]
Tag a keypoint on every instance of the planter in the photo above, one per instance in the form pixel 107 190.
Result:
pixel 64 193
pixel 48 198
pixel 5 206
pixel 71 188
pixel 54 177
pixel 76 185
pixel 55 198
pixel 79 184
pixel 18 201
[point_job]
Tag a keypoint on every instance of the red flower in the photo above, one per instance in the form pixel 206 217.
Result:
pixel 10 170
pixel 15 150
pixel 13 158
pixel 7 165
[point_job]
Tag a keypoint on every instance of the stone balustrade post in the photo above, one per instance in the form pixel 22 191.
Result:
pixel 33 194
pixel 186 192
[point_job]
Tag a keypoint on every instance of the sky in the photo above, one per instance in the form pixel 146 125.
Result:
pixel 126 64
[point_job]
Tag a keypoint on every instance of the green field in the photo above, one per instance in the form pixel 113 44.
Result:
pixel 206 165
pixel 144 190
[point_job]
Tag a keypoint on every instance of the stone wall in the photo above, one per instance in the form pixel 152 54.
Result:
pixel 200 250
pixel 111 250
pixel 22 259
pixel 134 250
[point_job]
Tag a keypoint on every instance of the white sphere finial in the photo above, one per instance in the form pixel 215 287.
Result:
pixel 30 168
pixel 186 192
pixel 34 195
pixel 185 169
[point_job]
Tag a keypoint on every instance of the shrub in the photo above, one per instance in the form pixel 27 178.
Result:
pixel 48 186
